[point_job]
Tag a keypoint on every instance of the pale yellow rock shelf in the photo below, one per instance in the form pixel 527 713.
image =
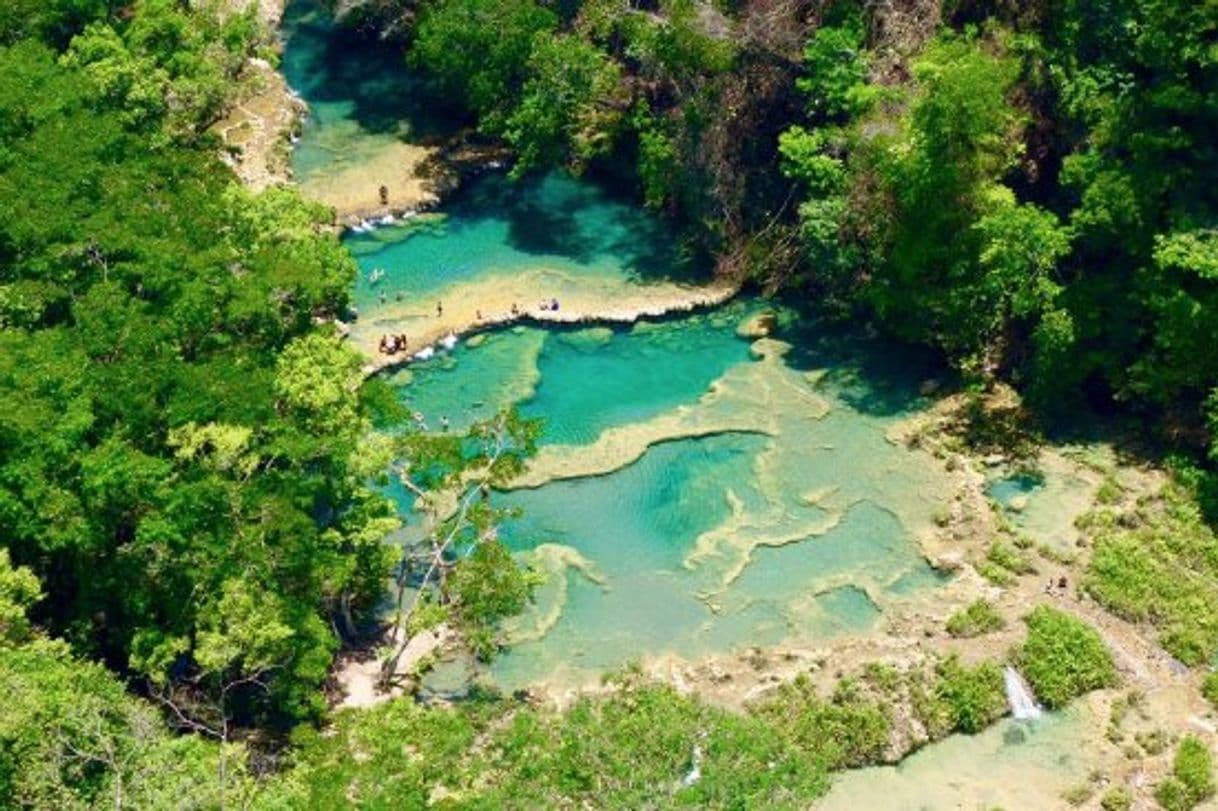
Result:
pixel 352 188
pixel 487 303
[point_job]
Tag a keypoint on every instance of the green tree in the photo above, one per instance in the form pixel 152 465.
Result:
pixel 477 50
pixel 569 112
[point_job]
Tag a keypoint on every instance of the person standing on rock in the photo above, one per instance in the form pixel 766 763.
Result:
pixel 439 309
pixel 384 192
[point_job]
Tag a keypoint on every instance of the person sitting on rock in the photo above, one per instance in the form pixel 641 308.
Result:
pixel 554 304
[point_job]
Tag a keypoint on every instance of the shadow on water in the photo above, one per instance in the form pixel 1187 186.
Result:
pixel 327 63
pixel 560 215
pixel 875 376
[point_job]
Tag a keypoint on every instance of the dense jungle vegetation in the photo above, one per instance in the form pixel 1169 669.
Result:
pixel 187 528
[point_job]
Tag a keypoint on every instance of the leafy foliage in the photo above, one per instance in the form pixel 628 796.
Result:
pixel 1062 657
pixel 1192 776
pixel 1159 565
pixel 179 442
pixel 631 748
pixel 979 617
pixel 478 50
pixel 974 696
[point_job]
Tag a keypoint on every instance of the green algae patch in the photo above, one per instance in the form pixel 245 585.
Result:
pixel 587 338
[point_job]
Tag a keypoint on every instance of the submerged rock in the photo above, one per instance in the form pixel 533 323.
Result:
pixel 591 337
pixel 758 325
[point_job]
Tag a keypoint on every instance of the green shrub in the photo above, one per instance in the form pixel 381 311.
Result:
pixel 1011 558
pixel 1191 779
pixel 978 618
pixel 1077 795
pixel 1063 657
pixel 1118 798
pixel 1162 569
pixel 1209 689
pixel 976 696
pixel 846 731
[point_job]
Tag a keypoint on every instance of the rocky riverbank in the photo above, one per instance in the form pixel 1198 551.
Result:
pixel 502 301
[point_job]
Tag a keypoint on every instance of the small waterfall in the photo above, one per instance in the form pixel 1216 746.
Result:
pixel 695 768
pixel 1023 705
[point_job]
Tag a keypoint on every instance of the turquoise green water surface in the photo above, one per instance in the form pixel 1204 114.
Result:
pixel 359 92
pixel 495 227
pixel 708 492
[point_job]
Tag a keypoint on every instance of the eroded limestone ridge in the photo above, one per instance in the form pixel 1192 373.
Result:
pixel 502 300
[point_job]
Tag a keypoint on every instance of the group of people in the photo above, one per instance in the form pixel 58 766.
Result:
pixel 392 344
pixel 552 305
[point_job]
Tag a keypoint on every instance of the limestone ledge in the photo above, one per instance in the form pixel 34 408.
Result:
pixel 481 306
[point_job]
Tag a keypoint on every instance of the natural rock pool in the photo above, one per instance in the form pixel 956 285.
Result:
pixel 697 490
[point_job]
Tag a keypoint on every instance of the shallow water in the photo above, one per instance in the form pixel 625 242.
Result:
pixel 544 239
pixel 1012 765
pixel 360 94
pixel 756 501
pixel 697 492
pixel 1045 505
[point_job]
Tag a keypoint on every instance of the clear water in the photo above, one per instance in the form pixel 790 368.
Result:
pixel 817 479
pixel 540 238
pixel 1011 490
pixel 360 94
pixel 577 381
pixel 696 492
pixel 1010 765
pixel 1044 506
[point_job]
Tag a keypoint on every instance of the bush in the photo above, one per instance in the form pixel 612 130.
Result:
pixel 846 731
pixel 1209 689
pixel 976 696
pixel 1063 657
pixel 1191 779
pixel 978 618
pixel 1163 570
pixel 1117 799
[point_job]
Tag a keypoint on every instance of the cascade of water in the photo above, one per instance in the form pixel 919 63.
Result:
pixel 1023 705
